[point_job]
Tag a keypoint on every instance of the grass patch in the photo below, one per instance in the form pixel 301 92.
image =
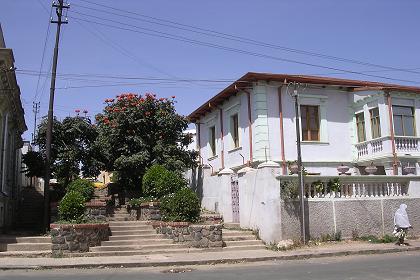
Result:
pixel 374 239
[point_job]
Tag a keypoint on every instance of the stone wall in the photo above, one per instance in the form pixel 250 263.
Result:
pixel 73 238
pixel 197 236
pixel 148 211
pixel 96 211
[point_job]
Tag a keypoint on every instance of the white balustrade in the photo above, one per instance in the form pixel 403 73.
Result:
pixel 321 187
pixel 406 144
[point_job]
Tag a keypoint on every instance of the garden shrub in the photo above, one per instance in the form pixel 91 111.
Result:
pixel 72 207
pixel 82 186
pixel 158 182
pixel 182 206
pixel 136 202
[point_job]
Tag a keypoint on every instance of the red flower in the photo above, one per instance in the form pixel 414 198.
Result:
pixel 77 111
pixel 173 96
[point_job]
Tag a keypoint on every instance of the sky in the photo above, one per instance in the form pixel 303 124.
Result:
pixel 171 48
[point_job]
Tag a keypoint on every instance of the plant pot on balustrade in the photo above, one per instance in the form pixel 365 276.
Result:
pixel 77 238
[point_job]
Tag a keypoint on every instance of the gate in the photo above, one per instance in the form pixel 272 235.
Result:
pixel 235 198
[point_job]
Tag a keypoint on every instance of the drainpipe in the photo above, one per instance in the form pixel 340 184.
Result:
pixel 391 128
pixel 283 158
pixel 198 146
pixel 248 97
pixel 222 156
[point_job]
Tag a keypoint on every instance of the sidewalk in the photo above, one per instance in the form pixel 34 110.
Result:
pixel 326 250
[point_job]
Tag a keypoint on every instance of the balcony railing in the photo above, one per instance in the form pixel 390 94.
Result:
pixel 383 146
pixel 365 186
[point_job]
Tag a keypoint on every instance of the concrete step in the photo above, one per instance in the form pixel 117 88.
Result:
pixel 151 252
pixel 130 227
pixel 243 243
pixel 132 232
pixel 121 219
pixel 129 223
pixel 239 237
pixel 25 239
pixel 25 254
pixel 245 248
pixel 232 225
pixel 133 242
pixel 28 247
pixel 237 233
pixel 134 237
pixel 136 247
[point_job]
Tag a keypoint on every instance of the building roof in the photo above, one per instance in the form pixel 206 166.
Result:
pixel 250 77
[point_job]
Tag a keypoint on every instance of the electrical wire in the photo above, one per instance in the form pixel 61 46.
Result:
pixel 226 36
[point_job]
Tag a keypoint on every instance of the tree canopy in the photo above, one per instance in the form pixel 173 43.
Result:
pixel 135 132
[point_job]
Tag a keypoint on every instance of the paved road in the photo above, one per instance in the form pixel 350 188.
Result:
pixel 390 266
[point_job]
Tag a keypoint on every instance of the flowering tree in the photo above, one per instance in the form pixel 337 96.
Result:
pixel 136 131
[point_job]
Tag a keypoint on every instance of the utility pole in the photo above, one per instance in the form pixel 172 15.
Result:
pixel 35 109
pixel 59 7
pixel 300 167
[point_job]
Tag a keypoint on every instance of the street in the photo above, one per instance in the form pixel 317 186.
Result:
pixel 388 266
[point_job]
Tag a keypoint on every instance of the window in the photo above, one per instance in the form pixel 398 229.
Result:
pixel 212 140
pixel 403 121
pixel 375 123
pixel 310 122
pixel 234 130
pixel 360 124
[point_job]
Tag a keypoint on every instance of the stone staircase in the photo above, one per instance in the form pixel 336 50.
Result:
pixel 31 210
pixel 136 238
pixel 239 239
pixel 120 214
pixel 13 245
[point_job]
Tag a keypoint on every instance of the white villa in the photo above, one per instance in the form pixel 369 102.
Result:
pixel 246 135
pixel 343 121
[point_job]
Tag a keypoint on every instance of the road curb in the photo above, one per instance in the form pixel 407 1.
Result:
pixel 212 261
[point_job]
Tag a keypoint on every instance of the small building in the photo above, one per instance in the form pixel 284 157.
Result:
pixel 342 121
pixel 12 126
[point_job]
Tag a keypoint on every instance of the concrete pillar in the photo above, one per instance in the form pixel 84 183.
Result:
pixel 269 222
pixel 247 188
pixel 225 206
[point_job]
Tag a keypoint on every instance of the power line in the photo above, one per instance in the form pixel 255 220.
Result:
pixel 226 36
pixel 43 51
pixel 165 35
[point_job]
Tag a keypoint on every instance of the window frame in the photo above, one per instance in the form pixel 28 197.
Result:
pixel 234 131
pixel 375 123
pixel 212 141
pixel 401 116
pixel 363 124
pixel 309 131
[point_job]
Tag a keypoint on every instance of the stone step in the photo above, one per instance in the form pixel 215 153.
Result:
pixel 136 247
pixel 136 242
pixel 26 239
pixel 134 237
pixel 238 238
pixel 245 248
pixel 132 232
pixel 121 219
pixel 28 247
pixel 243 243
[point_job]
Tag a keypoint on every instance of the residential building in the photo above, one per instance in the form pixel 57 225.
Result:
pixel 342 121
pixel 12 126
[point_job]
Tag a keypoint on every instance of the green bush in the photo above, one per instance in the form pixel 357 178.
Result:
pixel 158 182
pixel 72 207
pixel 136 202
pixel 82 186
pixel 182 206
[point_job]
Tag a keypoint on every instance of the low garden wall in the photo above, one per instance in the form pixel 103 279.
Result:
pixel 73 238
pixel 197 236
pixel 147 211
pixel 97 211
